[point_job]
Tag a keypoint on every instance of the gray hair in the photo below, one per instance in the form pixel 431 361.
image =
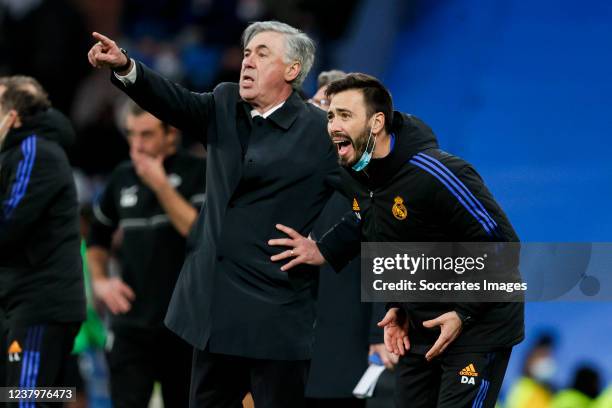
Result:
pixel 327 77
pixel 298 46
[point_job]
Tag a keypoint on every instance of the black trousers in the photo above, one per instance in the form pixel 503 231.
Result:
pixel 451 380
pixel 222 381
pixel 140 357
pixel 38 356
pixel 335 403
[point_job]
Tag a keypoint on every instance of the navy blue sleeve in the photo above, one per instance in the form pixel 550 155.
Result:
pixel 342 242
pixel 472 215
pixel 32 184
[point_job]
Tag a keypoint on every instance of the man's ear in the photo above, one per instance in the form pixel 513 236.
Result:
pixel 173 137
pixel 13 119
pixel 292 71
pixel 379 123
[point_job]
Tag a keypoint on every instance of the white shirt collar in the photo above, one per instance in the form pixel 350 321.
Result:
pixel 267 113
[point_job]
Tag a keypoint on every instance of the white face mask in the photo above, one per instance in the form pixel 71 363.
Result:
pixel 544 369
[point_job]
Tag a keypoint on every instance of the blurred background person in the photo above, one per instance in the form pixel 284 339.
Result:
pixel 342 319
pixel 42 297
pixel 154 199
pixel 319 99
pixel 604 400
pixel 583 391
pixel 534 387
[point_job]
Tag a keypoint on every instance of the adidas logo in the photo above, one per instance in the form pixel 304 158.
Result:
pixel 468 374
pixel 13 352
pixel 469 371
pixel 14 347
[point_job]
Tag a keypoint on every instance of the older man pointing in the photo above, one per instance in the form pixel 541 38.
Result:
pixel 269 161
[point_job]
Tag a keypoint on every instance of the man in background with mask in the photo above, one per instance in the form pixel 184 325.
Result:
pixel 408 190
pixel 42 298
pixel 534 389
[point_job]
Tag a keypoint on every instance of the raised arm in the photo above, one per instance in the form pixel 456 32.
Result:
pixel 170 102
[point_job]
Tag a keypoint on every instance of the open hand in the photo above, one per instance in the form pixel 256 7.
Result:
pixel 114 293
pixel 450 327
pixel 395 325
pixel 303 250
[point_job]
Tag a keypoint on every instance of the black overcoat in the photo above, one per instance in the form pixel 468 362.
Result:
pixel 230 296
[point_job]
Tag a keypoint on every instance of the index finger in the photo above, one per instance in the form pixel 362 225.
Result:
pixel 289 231
pixel 385 321
pixel 102 38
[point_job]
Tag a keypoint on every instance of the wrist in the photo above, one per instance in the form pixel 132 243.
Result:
pixel 126 67
pixel 465 318
pixel 161 186
pixel 98 284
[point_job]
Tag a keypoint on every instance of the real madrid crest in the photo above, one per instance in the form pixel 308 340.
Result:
pixel 399 209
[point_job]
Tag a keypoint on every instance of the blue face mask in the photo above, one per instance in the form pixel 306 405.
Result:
pixel 365 158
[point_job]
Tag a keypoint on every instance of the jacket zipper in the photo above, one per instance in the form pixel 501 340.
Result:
pixel 373 210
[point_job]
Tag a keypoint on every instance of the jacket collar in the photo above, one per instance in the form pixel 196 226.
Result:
pixel 285 115
pixel 289 112
pixel 50 124
pixel 16 136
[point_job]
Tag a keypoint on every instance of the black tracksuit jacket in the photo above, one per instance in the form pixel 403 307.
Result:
pixel 41 275
pixel 446 201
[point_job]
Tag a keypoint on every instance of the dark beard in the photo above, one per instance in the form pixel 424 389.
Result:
pixel 359 146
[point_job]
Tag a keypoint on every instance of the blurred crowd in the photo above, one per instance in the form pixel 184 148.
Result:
pixel 193 42
pixel 535 388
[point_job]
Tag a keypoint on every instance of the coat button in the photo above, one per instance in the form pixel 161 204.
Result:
pixel 220 258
